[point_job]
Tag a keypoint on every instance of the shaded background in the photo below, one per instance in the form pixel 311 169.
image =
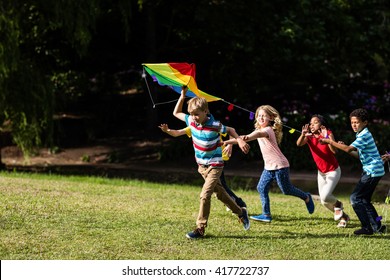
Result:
pixel 71 74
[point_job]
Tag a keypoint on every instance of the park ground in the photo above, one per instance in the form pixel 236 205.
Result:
pixel 140 159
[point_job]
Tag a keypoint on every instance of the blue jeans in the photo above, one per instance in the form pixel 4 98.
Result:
pixel 282 177
pixel 361 202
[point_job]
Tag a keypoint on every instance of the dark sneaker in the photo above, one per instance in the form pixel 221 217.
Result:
pixel 382 230
pixel 244 219
pixel 241 203
pixel 363 231
pixel 262 218
pixel 310 204
pixel 196 234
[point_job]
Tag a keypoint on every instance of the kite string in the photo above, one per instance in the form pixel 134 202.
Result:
pixel 150 93
pixel 292 130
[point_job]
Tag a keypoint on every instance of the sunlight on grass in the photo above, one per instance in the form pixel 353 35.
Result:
pixel 58 217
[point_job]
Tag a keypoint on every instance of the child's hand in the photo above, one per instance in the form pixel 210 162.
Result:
pixel 324 131
pixel 164 127
pixel 184 91
pixel 385 157
pixel 244 137
pixel 243 145
pixel 305 130
pixel 228 150
pixel 324 140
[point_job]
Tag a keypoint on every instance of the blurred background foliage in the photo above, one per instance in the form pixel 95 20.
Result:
pixel 70 71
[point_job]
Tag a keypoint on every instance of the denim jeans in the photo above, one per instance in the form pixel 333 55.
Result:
pixel 361 202
pixel 282 177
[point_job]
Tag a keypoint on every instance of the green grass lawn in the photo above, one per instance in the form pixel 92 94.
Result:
pixel 56 217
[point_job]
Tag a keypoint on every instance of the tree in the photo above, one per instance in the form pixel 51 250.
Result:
pixel 41 42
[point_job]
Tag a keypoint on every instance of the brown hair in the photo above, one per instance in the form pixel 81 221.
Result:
pixel 197 103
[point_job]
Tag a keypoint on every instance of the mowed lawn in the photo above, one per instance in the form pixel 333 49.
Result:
pixel 52 217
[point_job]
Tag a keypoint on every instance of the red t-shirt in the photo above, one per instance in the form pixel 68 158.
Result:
pixel 322 155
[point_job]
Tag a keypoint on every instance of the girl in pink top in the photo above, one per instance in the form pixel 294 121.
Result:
pixel 268 132
pixel 329 171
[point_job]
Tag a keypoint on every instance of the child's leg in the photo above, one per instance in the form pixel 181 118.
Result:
pixel 284 183
pixel 327 182
pixel 361 202
pixel 210 180
pixel 238 200
pixel 263 187
pixel 224 197
pixel 212 184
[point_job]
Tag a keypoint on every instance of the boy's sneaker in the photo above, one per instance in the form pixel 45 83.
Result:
pixel 310 204
pixel 363 231
pixel 382 230
pixel 262 218
pixel 241 203
pixel 196 234
pixel 244 219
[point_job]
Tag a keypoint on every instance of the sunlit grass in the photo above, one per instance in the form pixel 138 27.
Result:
pixel 58 217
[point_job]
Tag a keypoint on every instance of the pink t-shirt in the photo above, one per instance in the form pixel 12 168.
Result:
pixel 272 155
pixel 323 157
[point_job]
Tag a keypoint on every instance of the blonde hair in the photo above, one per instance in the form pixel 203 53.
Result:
pixel 276 122
pixel 197 103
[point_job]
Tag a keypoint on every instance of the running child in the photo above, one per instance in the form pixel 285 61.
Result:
pixel 205 131
pixel 268 132
pixel 329 171
pixel 365 149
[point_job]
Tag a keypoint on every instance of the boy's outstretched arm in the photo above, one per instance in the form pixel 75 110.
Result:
pixel 178 111
pixel 173 132
pixel 341 146
pixel 237 140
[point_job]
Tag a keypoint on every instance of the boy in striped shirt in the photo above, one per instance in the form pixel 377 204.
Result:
pixel 365 149
pixel 205 131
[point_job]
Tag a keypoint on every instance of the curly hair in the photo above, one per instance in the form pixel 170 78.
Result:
pixel 275 122
pixel 360 113
pixel 320 118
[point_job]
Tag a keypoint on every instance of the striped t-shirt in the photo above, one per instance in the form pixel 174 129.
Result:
pixel 225 156
pixel 206 141
pixel 368 153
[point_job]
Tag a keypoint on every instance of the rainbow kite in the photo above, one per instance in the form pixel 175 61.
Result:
pixel 175 76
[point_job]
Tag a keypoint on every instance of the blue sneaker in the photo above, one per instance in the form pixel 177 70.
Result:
pixel 244 219
pixel 196 234
pixel 262 218
pixel 310 204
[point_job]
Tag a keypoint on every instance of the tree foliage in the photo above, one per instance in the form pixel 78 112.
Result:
pixel 306 56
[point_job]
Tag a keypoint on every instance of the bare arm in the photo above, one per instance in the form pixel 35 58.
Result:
pixel 333 149
pixel 178 111
pixel 302 140
pixel 238 140
pixel 247 138
pixel 341 146
pixel 173 132
pixel 386 157
pixel 254 135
